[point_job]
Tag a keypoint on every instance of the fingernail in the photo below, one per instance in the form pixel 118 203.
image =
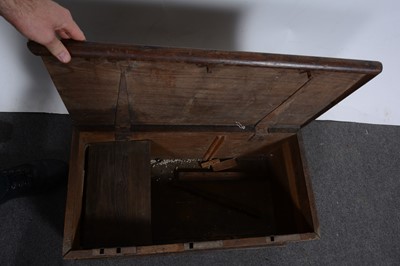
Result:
pixel 64 57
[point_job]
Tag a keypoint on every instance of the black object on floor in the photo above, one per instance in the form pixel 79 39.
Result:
pixel 32 178
pixel 354 169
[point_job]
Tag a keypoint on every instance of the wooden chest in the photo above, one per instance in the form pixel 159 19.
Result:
pixel 177 150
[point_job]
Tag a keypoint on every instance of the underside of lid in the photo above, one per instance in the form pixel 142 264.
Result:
pixel 136 88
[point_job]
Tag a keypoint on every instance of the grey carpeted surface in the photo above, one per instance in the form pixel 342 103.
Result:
pixel 355 171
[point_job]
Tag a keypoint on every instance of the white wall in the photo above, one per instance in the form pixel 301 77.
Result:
pixel 348 29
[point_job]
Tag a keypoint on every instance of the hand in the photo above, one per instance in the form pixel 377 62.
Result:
pixel 44 22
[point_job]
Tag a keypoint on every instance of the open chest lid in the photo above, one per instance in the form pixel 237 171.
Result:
pixel 142 88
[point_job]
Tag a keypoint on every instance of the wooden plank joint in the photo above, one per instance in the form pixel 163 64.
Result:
pixel 214 147
pixel 225 165
pixel 122 114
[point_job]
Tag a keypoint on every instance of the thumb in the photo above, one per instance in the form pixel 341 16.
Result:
pixel 58 50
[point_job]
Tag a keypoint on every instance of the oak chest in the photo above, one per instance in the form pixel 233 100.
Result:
pixel 177 150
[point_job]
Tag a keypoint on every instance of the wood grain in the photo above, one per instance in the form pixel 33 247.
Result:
pixel 88 88
pixel 73 208
pixel 117 195
pixel 189 94
pixel 316 96
pixel 169 87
